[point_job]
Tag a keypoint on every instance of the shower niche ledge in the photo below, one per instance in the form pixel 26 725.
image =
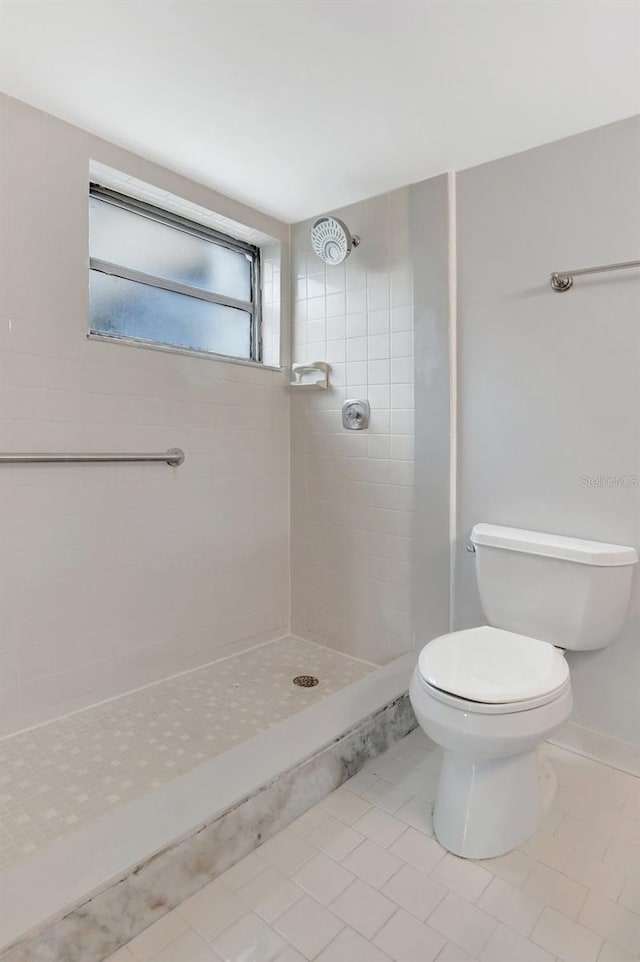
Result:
pixel 314 375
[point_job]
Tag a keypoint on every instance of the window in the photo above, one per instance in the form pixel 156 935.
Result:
pixel 158 278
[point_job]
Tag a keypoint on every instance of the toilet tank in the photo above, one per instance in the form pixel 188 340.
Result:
pixel 569 592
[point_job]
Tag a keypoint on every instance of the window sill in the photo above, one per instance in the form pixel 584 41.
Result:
pixel 186 352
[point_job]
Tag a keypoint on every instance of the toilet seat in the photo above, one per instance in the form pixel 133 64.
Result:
pixel 491 708
pixel 491 667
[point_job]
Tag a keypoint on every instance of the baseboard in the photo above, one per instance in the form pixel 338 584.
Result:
pixel 602 748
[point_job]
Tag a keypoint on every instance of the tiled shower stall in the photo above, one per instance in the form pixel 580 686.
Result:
pixel 280 547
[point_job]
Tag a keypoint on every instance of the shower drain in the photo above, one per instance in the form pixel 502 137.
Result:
pixel 306 681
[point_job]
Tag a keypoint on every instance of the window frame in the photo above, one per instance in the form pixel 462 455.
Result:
pixel 178 222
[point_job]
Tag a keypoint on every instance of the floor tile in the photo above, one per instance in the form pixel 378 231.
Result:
pixel 309 821
pixel 453 953
pixel 565 938
pixel 612 921
pixel 323 878
pixel 309 926
pixel 556 890
pixel 630 895
pixel 624 857
pixel 249 939
pixel 463 923
pixel 393 768
pixel 122 955
pixel 385 795
pixel 359 782
pixel 613 953
pixel 586 804
pixel 270 894
pixel 405 939
pixel 595 874
pixel 372 863
pixel 507 946
pixel 631 805
pixel 620 826
pixel 551 821
pixel 462 876
pixel 417 813
pixel 419 739
pixel 211 910
pixel 363 908
pixel 431 762
pixel 420 783
pixel 583 834
pixel 511 905
pixel 549 850
pixel 154 938
pixel 414 891
pixel 418 850
pixel 335 839
pixel 290 954
pixel 349 946
pixel 514 867
pixel 243 871
pixel 344 805
pixel 188 947
pixel 286 851
pixel 379 826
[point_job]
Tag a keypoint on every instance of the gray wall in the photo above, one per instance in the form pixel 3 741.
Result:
pixel 549 383
pixel 429 228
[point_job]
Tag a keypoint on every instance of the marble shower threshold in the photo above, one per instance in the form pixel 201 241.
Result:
pixel 85 895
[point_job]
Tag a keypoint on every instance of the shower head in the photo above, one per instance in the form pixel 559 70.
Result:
pixel 331 240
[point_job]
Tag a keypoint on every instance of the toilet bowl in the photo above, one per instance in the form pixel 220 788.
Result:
pixel 489 696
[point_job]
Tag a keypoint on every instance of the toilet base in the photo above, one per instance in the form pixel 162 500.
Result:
pixel 488 806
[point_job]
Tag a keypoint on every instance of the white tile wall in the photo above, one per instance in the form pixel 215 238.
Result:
pixel 113 576
pixel 352 493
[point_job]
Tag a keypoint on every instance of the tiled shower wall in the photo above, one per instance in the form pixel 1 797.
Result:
pixel 114 575
pixel 352 492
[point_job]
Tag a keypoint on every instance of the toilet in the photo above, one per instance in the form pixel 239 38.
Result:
pixel 489 696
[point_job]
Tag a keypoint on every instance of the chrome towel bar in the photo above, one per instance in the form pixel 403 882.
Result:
pixel 563 280
pixel 174 457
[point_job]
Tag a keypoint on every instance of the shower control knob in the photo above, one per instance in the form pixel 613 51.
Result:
pixel 355 415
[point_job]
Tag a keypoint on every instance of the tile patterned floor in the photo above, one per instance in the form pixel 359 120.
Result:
pixel 58 777
pixel 360 878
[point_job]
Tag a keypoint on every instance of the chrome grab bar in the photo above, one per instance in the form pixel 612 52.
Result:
pixel 174 457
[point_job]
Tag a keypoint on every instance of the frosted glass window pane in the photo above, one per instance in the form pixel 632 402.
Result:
pixel 143 244
pixel 128 309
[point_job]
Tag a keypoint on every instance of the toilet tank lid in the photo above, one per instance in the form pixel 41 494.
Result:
pixel 554 545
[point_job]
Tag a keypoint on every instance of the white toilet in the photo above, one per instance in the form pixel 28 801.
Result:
pixel 490 695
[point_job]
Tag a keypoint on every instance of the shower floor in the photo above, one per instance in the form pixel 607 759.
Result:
pixel 58 777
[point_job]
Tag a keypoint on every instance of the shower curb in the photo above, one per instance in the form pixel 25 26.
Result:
pixel 101 925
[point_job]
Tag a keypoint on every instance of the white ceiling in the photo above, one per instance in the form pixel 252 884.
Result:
pixel 301 106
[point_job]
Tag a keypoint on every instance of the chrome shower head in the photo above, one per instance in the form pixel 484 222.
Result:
pixel 331 240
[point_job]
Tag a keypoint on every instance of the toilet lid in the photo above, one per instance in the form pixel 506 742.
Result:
pixel 491 665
